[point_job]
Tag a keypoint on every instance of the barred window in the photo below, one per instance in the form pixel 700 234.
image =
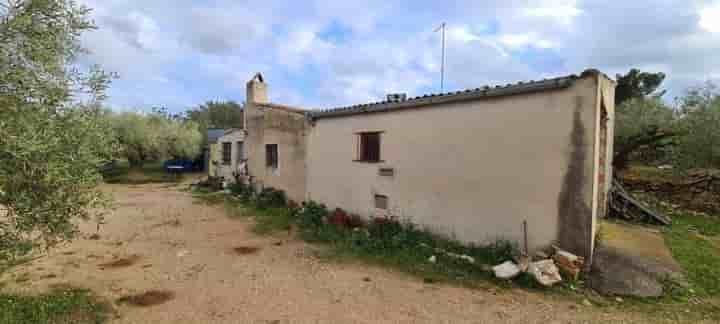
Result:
pixel 271 156
pixel 226 153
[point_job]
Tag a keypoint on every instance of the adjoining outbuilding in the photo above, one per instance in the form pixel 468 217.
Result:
pixel 228 155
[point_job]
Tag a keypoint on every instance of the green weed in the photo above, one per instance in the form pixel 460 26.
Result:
pixel 61 306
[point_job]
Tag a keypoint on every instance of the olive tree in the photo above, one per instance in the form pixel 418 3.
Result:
pixel 148 137
pixel 642 124
pixel 53 136
pixel 699 147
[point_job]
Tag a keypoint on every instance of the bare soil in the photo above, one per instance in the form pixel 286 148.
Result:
pixel 190 263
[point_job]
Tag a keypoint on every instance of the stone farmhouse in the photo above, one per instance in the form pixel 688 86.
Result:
pixel 528 162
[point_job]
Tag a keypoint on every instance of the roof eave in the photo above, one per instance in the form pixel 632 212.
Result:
pixel 523 88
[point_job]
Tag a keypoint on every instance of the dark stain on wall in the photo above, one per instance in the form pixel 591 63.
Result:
pixel 574 214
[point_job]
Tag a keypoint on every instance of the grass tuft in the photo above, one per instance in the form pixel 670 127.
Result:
pixel 695 243
pixel 60 306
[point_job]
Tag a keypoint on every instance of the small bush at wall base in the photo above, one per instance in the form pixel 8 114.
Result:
pixel 403 245
pixel 270 197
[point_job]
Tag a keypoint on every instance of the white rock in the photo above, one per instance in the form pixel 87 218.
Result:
pixel 567 255
pixel 432 259
pixel 506 270
pixel 545 272
pixel 461 257
pixel 468 258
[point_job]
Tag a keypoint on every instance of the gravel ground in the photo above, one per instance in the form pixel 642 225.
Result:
pixel 158 238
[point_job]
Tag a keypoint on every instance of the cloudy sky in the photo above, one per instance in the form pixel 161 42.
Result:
pixel 321 54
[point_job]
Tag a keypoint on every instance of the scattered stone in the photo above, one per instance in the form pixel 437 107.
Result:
pixel 147 265
pixel 506 270
pixel 618 299
pixel 570 265
pixel 545 272
pixel 366 279
pixel 182 253
pixel 432 259
pixel 587 303
pixel 278 243
pixel 95 236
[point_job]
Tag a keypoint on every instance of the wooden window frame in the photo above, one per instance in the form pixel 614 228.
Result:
pixel 361 147
pixel 272 161
pixel 226 153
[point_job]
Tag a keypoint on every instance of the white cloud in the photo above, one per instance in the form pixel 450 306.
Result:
pixel 710 18
pixel 517 41
pixel 215 30
pixel 563 11
pixel 462 36
pixel 301 46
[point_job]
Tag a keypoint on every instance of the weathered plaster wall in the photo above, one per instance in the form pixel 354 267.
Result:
pixel 287 129
pixel 473 170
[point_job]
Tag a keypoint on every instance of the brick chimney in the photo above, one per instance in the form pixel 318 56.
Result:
pixel 257 90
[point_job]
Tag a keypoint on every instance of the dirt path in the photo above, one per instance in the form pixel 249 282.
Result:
pixel 159 238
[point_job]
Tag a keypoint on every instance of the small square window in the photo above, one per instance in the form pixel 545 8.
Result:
pixel 271 156
pixel 369 147
pixel 226 153
pixel 381 202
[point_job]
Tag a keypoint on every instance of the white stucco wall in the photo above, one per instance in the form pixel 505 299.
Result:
pixel 472 170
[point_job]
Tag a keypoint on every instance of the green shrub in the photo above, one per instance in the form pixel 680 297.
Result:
pixel 270 198
pixel 391 238
pixel 245 192
pixel 311 218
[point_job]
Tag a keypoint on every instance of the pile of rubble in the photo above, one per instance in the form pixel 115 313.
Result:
pixel 544 269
